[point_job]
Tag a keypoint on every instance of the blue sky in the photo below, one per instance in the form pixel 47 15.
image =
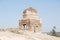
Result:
pixel 12 10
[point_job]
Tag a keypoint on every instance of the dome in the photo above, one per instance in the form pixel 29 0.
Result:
pixel 30 9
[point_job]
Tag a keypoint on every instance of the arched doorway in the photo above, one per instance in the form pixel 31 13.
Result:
pixel 24 26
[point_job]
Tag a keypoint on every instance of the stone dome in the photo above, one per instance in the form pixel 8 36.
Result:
pixel 30 9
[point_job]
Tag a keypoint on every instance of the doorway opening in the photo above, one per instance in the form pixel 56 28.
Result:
pixel 24 26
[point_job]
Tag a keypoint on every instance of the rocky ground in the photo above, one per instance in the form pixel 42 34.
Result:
pixel 25 35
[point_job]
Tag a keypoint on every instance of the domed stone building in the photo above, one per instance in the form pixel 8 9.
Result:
pixel 30 20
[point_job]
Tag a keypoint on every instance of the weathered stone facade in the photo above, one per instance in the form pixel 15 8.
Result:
pixel 30 20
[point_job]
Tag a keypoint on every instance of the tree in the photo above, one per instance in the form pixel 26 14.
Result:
pixel 53 32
